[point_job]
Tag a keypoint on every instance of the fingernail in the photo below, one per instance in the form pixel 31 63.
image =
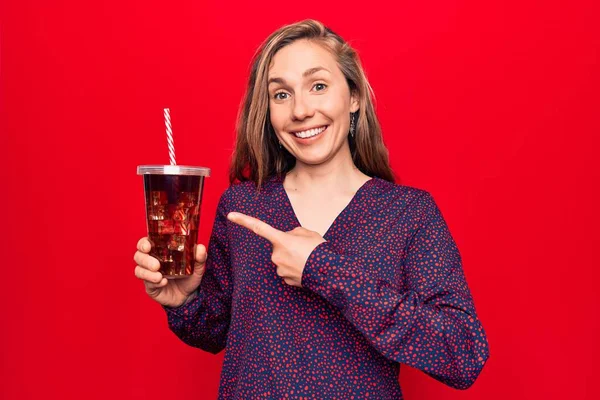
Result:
pixel 231 216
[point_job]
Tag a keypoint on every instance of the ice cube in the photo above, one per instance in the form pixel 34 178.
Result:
pixel 177 243
pixel 166 257
pixel 180 215
pixel 152 226
pixel 182 227
pixel 157 213
pixel 158 197
pixel 160 252
pixel 188 199
pixel 165 227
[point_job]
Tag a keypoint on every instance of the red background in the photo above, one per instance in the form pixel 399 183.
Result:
pixel 493 108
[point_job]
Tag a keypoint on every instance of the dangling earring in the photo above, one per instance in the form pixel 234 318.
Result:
pixel 280 145
pixel 352 126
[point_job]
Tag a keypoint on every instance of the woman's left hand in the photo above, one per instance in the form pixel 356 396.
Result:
pixel 290 249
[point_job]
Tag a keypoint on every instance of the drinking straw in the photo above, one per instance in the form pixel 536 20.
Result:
pixel 175 193
pixel 170 136
pixel 172 188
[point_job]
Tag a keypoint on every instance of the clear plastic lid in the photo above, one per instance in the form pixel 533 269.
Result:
pixel 172 170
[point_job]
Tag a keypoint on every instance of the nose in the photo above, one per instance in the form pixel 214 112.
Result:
pixel 301 108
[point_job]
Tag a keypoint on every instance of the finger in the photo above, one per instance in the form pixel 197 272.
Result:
pixel 256 225
pixel 146 261
pixel 200 253
pixel 143 245
pixel 199 268
pixel 146 275
pixel 151 285
pixel 299 230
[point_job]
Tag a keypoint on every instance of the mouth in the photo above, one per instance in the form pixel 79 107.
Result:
pixel 310 134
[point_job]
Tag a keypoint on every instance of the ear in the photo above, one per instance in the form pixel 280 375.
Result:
pixel 354 103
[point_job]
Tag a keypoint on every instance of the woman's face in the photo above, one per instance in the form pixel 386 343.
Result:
pixel 307 90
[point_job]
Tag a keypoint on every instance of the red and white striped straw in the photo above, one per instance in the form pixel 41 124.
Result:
pixel 170 137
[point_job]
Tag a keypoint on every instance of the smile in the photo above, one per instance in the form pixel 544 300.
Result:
pixel 310 132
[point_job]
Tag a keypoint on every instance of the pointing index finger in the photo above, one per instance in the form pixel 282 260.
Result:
pixel 255 225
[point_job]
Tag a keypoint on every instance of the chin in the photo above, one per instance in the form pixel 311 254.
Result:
pixel 313 160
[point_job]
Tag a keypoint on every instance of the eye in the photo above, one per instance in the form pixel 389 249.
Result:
pixel 321 84
pixel 278 93
pixel 275 96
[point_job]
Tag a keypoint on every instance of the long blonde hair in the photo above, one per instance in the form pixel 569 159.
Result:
pixel 257 155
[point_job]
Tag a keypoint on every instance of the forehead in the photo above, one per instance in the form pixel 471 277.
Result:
pixel 292 60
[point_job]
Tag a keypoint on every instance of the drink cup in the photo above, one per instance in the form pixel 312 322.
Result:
pixel 173 198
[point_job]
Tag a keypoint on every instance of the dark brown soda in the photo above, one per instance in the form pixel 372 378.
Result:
pixel 173 214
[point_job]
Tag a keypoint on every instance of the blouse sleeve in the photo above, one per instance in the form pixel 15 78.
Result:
pixel 431 325
pixel 204 321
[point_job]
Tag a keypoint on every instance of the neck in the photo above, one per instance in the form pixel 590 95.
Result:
pixel 337 175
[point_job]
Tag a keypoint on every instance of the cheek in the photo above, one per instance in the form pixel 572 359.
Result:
pixel 333 106
pixel 277 118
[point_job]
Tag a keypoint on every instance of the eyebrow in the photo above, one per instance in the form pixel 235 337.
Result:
pixel 306 74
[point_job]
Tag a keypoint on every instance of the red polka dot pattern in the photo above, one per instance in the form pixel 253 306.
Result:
pixel 386 288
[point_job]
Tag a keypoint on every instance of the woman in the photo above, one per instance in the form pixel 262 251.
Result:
pixel 322 275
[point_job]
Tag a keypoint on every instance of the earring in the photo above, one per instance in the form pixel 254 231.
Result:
pixel 352 125
pixel 280 145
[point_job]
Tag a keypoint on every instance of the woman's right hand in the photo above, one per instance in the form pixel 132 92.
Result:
pixel 168 292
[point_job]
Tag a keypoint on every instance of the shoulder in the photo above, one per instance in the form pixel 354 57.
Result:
pixel 398 196
pixel 408 205
pixel 245 192
pixel 238 189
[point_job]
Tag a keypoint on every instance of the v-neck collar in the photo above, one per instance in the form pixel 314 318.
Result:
pixel 290 209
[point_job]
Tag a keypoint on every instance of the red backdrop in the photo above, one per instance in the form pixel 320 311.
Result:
pixel 493 108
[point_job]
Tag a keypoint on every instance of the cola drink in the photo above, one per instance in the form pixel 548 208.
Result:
pixel 173 196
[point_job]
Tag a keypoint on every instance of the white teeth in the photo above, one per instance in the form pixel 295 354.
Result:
pixel 310 132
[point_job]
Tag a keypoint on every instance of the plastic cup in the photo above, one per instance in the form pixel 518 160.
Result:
pixel 173 199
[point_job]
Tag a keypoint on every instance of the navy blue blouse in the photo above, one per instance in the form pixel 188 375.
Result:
pixel 387 287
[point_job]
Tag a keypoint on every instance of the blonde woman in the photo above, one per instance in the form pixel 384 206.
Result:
pixel 322 275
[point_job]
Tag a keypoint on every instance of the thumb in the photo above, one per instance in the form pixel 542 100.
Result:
pixel 200 256
pixel 191 283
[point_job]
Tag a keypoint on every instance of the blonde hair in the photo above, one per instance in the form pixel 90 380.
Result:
pixel 257 155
